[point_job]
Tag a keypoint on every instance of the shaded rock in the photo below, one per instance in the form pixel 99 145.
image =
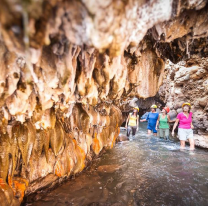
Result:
pixel 41 183
pixel 172 114
pixel 122 128
pixel 144 116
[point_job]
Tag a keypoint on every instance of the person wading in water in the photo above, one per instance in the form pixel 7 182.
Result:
pixel 132 122
pixel 162 121
pixel 152 120
pixel 185 129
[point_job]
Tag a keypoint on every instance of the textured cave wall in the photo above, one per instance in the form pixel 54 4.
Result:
pixel 183 35
pixel 187 81
pixel 105 25
pixel 68 69
pixel 55 117
pixel 63 148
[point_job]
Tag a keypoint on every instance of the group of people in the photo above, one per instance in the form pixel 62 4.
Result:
pixel 161 121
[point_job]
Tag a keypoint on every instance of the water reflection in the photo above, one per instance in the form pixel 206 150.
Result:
pixel 144 171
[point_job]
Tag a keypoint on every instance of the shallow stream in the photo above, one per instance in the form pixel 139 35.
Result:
pixel 145 171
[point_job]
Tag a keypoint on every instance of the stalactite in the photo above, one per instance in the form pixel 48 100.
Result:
pixel 70 67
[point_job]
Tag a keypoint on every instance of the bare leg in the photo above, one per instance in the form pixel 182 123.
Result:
pixel 149 132
pixel 155 134
pixel 191 142
pixel 182 144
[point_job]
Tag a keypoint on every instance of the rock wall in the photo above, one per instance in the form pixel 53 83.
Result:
pixel 60 112
pixel 68 69
pixel 62 146
pixel 187 81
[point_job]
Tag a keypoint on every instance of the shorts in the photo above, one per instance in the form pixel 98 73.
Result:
pixel 152 128
pixel 185 134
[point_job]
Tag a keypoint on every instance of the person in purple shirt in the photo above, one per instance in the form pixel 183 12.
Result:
pixel 185 129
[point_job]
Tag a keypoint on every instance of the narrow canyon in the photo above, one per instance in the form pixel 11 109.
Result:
pixel 70 69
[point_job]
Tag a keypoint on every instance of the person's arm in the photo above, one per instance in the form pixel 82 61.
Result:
pixel 144 120
pixel 127 121
pixel 174 126
pixel 169 119
pixel 158 119
pixel 192 126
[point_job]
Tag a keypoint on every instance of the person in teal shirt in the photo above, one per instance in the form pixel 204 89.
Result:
pixel 163 122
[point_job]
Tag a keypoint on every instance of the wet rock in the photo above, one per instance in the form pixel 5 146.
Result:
pixel 201 140
pixel 57 138
pixel 122 138
pixel 68 68
pixel 108 169
pixel 18 185
pixel 42 183
pixel 7 196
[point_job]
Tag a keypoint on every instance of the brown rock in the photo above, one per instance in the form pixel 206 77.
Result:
pixel 172 114
pixel 122 138
pixel 108 169
pixel 193 91
pixel 69 67
pixel 201 140
pixel 203 101
pixel 41 183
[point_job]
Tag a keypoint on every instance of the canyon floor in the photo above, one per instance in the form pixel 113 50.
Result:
pixel 145 171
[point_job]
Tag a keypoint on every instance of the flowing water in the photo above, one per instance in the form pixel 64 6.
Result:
pixel 144 171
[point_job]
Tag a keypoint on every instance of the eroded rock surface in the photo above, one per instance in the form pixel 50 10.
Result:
pixel 187 82
pixel 68 69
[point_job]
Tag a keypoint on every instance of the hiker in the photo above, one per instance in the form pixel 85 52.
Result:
pixel 162 121
pixel 152 120
pixel 132 122
pixel 185 129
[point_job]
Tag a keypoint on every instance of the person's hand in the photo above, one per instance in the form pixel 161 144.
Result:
pixel 172 133
pixel 155 128
pixel 192 126
pixel 137 129
pixel 125 126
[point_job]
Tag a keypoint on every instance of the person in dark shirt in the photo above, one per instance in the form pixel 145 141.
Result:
pixel 152 120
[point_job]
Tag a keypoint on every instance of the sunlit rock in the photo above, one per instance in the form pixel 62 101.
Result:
pixel 188 85
pixel 69 69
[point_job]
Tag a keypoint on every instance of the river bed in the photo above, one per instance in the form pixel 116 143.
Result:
pixel 145 171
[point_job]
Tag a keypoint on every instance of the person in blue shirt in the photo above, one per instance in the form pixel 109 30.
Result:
pixel 152 120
